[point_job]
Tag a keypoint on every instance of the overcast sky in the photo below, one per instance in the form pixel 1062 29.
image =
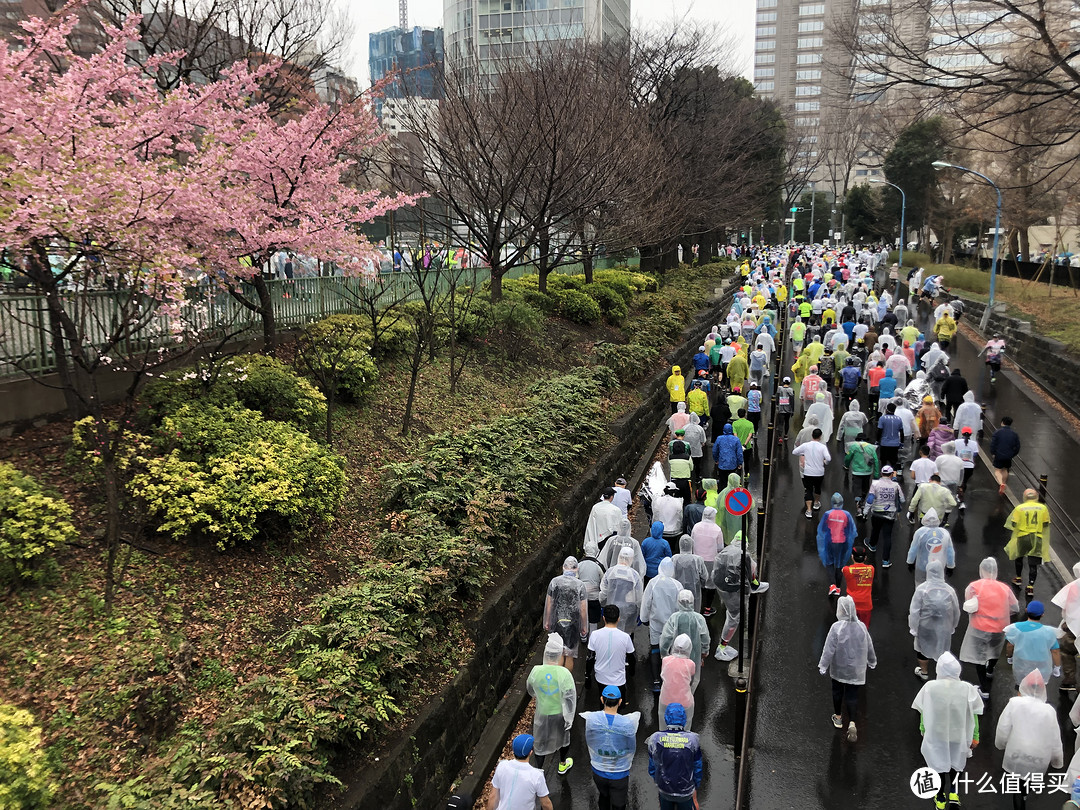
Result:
pixel 736 16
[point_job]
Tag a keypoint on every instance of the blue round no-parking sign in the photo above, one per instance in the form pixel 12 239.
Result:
pixel 738 501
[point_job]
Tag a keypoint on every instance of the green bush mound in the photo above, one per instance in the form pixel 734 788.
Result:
pixel 627 361
pixel 340 346
pixel 464 498
pixel 259 383
pixel 612 291
pixel 25 776
pixel 578 307
pixel 229 476
pixel 32 523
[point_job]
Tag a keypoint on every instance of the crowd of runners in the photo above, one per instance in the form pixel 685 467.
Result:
pixel 865 382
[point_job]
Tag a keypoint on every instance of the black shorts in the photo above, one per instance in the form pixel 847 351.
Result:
pixel 570 634
pixel 1003 463
pixel 596 612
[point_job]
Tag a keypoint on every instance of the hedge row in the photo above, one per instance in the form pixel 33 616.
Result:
pixel 664 311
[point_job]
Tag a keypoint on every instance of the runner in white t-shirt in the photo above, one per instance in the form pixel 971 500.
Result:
pixel 517 785
pixel 611 646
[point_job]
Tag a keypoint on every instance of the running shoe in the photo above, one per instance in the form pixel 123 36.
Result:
pixel 834 590
pixel 870 547
pixel 852 734
pixel 1030 592
pixel 708 612
pixel 761 587
pixel 1017 582
pixel 886 564
pixel 837 721
pixel 963 506
pixel 565 766
pixel 808 513
pixel 984 695
pixel 817 504
pixel 922 675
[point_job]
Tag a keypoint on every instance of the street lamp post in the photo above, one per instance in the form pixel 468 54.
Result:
pixel 813 201
pixel 903 236
pixel 941 164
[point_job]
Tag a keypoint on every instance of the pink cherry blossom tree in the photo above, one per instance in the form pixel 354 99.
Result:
pixel 108 184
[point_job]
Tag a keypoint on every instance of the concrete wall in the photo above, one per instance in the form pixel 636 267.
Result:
pixel 1043 359
pixel 419 769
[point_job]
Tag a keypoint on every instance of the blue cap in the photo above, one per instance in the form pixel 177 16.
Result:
pixel 1035 608
pixel 612 693
pixel 523 745
pixel 675 715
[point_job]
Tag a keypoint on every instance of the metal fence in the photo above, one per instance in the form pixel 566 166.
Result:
pixel 24 335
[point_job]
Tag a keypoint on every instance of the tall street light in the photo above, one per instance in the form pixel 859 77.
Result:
pixel 903 236
pixel 941 164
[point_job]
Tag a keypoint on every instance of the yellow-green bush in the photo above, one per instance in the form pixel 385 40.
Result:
pixel 229 476
pixel 25 777
pixel 32 523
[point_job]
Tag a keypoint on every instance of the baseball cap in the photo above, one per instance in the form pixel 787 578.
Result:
pixel 966 431
pixel 460 801
pixel 887 470
pixel 620 481
pixel 680 431
pixel 1035 608
pixel 613 692
pixel 523 745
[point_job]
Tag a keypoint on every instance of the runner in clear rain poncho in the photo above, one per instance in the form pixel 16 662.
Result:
pixel 622 587
pixel 949 709
pixel 1028 733
pixel 609 555
pixel 847 653
pixel 659 602
pixel 678 674
pixel 566 609
pixel 690 569
pixel 932 617
pixel 708 539
pixel 989 603
pixel 687 621
pixel 552 686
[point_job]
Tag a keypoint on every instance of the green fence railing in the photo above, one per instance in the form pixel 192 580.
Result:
pixel 25 346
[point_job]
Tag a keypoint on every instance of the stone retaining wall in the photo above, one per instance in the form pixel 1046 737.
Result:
pixel 1044 359
pixel 418 771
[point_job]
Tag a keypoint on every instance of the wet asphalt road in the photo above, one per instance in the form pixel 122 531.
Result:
pixel 796 758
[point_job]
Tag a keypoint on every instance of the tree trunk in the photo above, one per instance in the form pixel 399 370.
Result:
pixel 266 311
pixel 496 281
pixel 1025 244
pixel 687 251
pixel 587 263
pixel 414 373
pixel 329 416
pixel 544 259
pixel 112 521
pixel 40 273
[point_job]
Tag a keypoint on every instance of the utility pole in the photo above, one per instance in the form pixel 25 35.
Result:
pixel 813 202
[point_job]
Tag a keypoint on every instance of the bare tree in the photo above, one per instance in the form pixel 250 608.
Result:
pixel 983 63
pixel 307 36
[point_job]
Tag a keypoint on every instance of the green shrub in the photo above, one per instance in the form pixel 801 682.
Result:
pixel 263 384
pixel 32 523
pixel 229 476
pixel 338 347
pixel 612 305
pixel 628 361
pixel 25 777
pixel 541 301
pixel 578 307
pixel 636 282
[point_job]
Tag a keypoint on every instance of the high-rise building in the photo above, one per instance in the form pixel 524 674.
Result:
pixel 417 56
pixel 484 32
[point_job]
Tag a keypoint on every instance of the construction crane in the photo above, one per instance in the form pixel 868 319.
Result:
pixel 403 14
